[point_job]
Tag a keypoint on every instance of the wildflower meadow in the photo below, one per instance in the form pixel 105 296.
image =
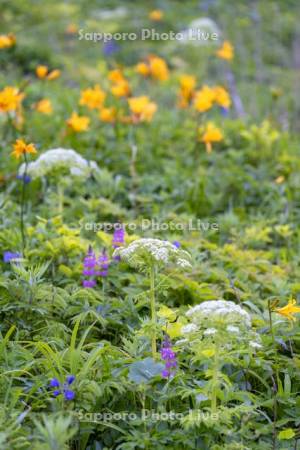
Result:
pixel 149 225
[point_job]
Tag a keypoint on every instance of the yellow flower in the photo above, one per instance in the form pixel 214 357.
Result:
pixel 42 72
pixel 226 51
pixel 222 97
pixel 7 40
pixel 72 28
pixel 280 179
pixel 211 134
pixel 21 148
pixel 142 108
pixel 115 76
pixel 44 106
pixel 158 68
pixel 186 92
pixel 143 69
pixel 53 75
pixel 156 15
pixel 204 99
pixel 78 123
pixel 108 115
pixel 93 98
pixel 121 89
pixel 10 99
pixel 288 310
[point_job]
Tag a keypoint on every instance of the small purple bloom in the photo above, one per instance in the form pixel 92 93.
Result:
pixel 9 256
pixel 56 393
pixel 26 178
pixel 103 264
pixel 110 47
pixel 169 357
pixel 176 244
pixel 224 111
pixel 89 266
pixel 69 395
pixel 118 237
pixel 54 383
pixel 70 379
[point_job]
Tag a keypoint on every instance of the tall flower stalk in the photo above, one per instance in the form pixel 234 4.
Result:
pixel 153 310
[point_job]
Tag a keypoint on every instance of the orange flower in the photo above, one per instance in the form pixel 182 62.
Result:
pixel 10 99
pixel 21 148
pixel 226 51
pixel 211 134
pixel 158 68
pixel 93 98
pixel 204 99
pixel 42 73
pixel 186 92
pixel 156 15
pixel 142 108
pixel 143 69
pixel 108 115
pixel 78 123
pixel 44 106
pixel 72 28
pixel 288 310
pixel 121 89
pixel 222 97
pixel 115 76
pixel 7 40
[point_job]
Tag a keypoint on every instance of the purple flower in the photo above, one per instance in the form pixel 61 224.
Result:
pixel 103 264
pixel 169 357
pixel 69 395
pixel 10 256
pixel 176 244
pixel 89 265
pixel 64 388
pixel 54 383
pixel 110 47
pixel 26 178
pixel 118 237
pixel 224 111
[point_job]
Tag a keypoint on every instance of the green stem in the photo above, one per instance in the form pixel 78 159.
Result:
pixel 215 380
pixel 23 198
pixel 60 194
pixel 153 310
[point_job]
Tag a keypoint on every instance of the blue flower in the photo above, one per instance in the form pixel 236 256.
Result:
pixel 63 388
pixel 25 178
pixel 9 256
pixel 176 244
pixel 109 48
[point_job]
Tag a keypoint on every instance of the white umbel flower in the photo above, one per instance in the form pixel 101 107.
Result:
pixel 189 328
pixel 144 252
pixel 59 159
pixel 210 332
pixel 222 311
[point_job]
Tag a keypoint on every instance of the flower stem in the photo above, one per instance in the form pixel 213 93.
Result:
pixel 215 380
pixel 60 194
pixel 153 310
pixel 22 212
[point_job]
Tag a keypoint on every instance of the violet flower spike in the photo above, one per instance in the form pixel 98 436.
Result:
pixel 103 264
pixel 169 356
pixel 89 266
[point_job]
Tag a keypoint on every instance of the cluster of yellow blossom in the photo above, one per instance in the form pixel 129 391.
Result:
pixel 21 148
pixel 186 91
pixel 120 86
pixel 209 135
pixel 156 15
pixel 42 72
pixel 142 108
pixel 226 51
pixel 288 310
pixel 78 123
pixel 154 67
pixel 10 99
pixel 44 106
pixel 93 98
pixel 7 40
pixel 207 96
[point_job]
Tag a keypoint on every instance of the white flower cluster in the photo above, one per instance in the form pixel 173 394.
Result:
pixel 222 311
pixel 59 159
pixel 151 251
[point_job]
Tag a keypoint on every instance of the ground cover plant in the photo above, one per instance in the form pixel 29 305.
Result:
pixel 149 237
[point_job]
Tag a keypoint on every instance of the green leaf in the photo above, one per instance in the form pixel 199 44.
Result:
pixel 288 433
pixel 143 371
